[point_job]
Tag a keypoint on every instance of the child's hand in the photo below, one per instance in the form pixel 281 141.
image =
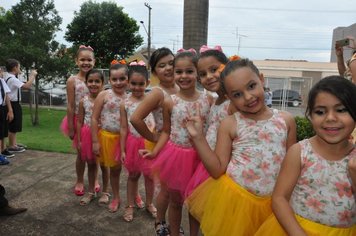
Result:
pixel 10 116
pixel 194 123
pixel 96 148
pixel 71 134
pixel 146 154
pixel 123 157
pixel 79 146
pixel 33 73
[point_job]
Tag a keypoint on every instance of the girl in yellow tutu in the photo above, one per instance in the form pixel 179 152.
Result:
pixel 250 147
pixel 106 141
pixel 315 190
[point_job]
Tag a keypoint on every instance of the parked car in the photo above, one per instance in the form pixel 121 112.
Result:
pixel 290 97
pixel 44 98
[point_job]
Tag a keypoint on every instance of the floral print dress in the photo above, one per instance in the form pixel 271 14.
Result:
pixel 81 90
pixel 323 193
pixel 257 153
pixel 110 114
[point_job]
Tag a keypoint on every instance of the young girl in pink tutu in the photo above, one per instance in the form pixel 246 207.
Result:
pixel 106 140
pixel 315 191
pixel 161 63
pixel 76 90
pixel 131 141
pixel 209 69
pixel 250 147
pixel 94 81
pixel 177 160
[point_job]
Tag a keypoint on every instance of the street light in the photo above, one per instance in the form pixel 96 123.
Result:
pixel 149 30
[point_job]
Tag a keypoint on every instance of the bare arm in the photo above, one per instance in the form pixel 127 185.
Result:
pixel 31 78
pixel 292 128
pixel 287 179
pixel 215 162
pixel 352 173
pixel 152 101
pixel 10 113
pixel 98 106
pixel 164 136
pixel 123 130
pixel 80 122
pixel 70 105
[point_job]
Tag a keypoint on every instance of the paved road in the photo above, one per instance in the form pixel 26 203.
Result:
pixel 43 182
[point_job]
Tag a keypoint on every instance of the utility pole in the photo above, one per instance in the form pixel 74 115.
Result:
pixel 149 32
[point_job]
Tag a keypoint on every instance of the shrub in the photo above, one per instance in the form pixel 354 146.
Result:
pixel 304 128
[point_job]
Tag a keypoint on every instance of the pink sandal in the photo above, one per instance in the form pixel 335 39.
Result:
pixel 114 205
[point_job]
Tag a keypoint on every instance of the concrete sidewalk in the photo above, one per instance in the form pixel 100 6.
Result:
pixel 43 182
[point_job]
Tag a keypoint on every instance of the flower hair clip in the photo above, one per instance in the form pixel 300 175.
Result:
pixel 192 50
pixel 135 63
pixel 221 67
pixel 86 47
pixel 205 48
pixel 234 58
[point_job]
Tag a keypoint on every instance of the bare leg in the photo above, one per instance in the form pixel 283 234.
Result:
pixel 115 185
pixel 132 186
pixel 175 212
pixel 105 172
pixel 79 168
pixel 149 187
pixel 194 226
pixel 162 203
pixel 12 139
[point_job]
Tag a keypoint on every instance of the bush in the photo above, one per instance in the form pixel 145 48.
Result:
pixel 304 128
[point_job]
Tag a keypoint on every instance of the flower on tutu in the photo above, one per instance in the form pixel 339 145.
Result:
pixel 234 58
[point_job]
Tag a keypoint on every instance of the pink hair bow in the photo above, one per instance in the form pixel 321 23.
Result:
pixel 86 47
pixel 205 48
pixel 135 63
pixel 192 50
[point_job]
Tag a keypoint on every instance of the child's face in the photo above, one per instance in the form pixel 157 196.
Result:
pixel 245 90
pixel 164 69
pixel 185 73
pixel 209 74
pixel 137 85
pixel 85 60
pixel 330 119
pixel 94 84
pixel 17 70
pixel 118 80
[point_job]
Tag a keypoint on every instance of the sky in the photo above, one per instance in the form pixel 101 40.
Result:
pixel 269 29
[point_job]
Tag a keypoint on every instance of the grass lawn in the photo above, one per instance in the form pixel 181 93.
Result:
pixel 46 136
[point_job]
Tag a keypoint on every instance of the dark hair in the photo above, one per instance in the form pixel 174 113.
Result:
pixel 191 55
pixel 338 86
pixel 138 69
pixel 218 55
pixel 231 66
pixel 118 67
pixel 94 71
pixel 10 64
pixel 158 55
pixel 81 49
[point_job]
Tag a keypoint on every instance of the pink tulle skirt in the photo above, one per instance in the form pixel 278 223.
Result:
pixel 86 145
pixel 175 166
pixel 64 127
pixel 134 163
pixel 199 176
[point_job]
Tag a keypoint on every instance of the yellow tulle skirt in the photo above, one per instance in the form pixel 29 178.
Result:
pixel 224 208
pixel 109 148
pixel 149 145
pixel 272 227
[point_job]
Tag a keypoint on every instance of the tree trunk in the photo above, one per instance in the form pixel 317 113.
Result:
pixel 29 96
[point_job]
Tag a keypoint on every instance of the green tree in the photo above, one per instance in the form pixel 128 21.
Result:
pixel 27 34
pixel 105 27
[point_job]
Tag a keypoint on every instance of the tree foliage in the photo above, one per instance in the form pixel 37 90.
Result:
pixel 105 27
pixel 27 34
